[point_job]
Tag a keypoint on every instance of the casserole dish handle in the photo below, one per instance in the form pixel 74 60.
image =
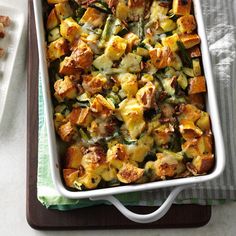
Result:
pixel 143 218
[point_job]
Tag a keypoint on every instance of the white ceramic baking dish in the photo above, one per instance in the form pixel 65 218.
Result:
pixel 107 193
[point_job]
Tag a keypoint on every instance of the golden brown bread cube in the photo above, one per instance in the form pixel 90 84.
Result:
pixel 65 88
pixel 94 84
pixel 63 10
pixel 57 49
pixel 197 100
pixel 70 175
pixel 203 163
pixel 80 58
pixel 181 7
pixel 93 17
pixel 190 40
pixel 189 112
pixel 132 40
pixel 80 116
pixel 56 1
pixel 171 42
pixel 186 24
pixel 197 85
pixel 129 173
pixel 5 20
pixel 189 130
pixel 66 131
pixel 160 57
pixel 52 20
pixel 194 52
pixel 74 156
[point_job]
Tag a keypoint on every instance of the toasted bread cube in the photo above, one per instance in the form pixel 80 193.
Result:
pixel 2 30
pixel 197 85
pixel 171 42
pixel 80 116
pixel 194 52
pixel 65 88
pixel 160 57
pixel 2 52
pixel 181 7
pixel 190 40
pixel 203 163
pixel 66 131
pixel 132 40
pixel 70 175
pixel 189 130
pixel 129 173
pixel 52 20
pixel 70 30
pixel 57 49
pixel 168 25
pixel 129 83
pixel 90 180
pixel 74 156
pixel 93 17
pixel 94 84
pixel 186 24
pixel 80 58
pixel 116 47
pixel 122 11
pixel 117 155
pixel 56 1
pixel 63 10
pixel 197 100
pixel 5 20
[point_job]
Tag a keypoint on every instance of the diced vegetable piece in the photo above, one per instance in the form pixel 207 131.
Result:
pixel 171 42
pixel 190 40
pixel 132 113
pixel 57 49
pixel 185 56
pixel 181 7
pixel 65 88
pixel 167 84
pixel 93 17
pixel 63 10
pixel 129 173
pixel 103 63
pixel 168 25
pixel 129 84
pixel 186 24
pixel 175 62
pixel 204 122
pixel 136 9
pixel 54 34
pixel 116 47
pixel 52 20
pixel 196 67
pixel 182 80
pixel 203 163
pixel 142 52
pixel 66 132
pixel 70 30
pixel 188 71
pixel 109 174
pixel 157 11
pixel 131 63
pixel 197 85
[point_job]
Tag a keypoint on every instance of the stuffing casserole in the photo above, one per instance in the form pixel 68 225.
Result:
pixel 129 91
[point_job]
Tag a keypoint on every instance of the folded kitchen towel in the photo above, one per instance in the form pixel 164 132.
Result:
pixel 220 19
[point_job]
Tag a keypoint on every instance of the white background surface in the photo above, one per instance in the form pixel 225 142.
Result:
pixel 13 169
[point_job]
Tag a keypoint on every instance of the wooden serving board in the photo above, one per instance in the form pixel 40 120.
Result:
pixel 97 217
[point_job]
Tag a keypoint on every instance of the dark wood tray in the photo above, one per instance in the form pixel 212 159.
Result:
pixel 98 217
